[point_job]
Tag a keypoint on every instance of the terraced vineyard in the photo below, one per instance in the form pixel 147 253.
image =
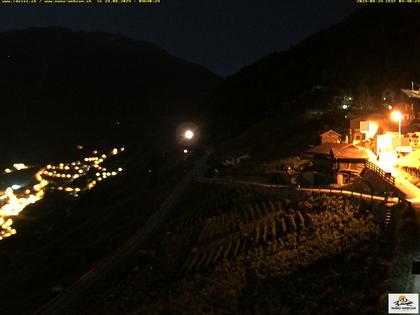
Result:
pixel 223 252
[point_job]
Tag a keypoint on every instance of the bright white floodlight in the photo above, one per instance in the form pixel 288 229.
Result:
pixel 189 134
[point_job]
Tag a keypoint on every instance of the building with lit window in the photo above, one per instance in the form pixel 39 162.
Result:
pixel 330 136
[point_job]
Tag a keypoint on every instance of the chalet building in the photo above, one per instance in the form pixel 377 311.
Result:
pixel 407 101
pixel 341 160
pixel 407 111
pixel 368 127
pixel 354 132
pixel 330 136
pixel 411 97
pixel 409 105
pixel 362 128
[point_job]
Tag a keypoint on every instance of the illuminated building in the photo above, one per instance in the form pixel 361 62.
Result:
pixel 345 159
pixel 330 136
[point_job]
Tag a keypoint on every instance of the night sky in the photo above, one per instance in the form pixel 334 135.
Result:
pixel 223 35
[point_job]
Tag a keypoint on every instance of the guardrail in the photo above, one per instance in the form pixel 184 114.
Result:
pixel 385 198
pixel 387 177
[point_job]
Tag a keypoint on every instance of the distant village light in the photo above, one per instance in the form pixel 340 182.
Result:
pixel 20 166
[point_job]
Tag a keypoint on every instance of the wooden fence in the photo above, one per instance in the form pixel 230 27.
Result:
pixel 387 177
pixel 385 198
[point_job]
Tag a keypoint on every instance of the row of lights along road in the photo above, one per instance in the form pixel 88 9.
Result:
pixel 72 178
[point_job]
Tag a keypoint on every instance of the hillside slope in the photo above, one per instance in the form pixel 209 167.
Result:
pixel 373 49
pixel 60 86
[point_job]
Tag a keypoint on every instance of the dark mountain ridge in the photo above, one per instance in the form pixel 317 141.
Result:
pixel 373 49
pixel 65 87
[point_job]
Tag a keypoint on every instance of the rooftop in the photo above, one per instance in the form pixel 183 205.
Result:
pixel 339 150
pixel 411 93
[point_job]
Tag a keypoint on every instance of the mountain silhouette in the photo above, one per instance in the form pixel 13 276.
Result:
pixel 60 86
pixel 373 49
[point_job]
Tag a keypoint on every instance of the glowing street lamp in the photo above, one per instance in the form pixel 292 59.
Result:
pixel 396 116
pixel 188 134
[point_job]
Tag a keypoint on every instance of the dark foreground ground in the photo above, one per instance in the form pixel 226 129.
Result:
pixel 239 250
pixel 62 237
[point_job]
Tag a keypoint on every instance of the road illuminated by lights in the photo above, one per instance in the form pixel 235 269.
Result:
pixel 72 178
pixel 412 194
pixel 411 191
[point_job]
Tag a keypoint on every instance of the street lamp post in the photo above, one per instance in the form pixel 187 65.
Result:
pixel 396 116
